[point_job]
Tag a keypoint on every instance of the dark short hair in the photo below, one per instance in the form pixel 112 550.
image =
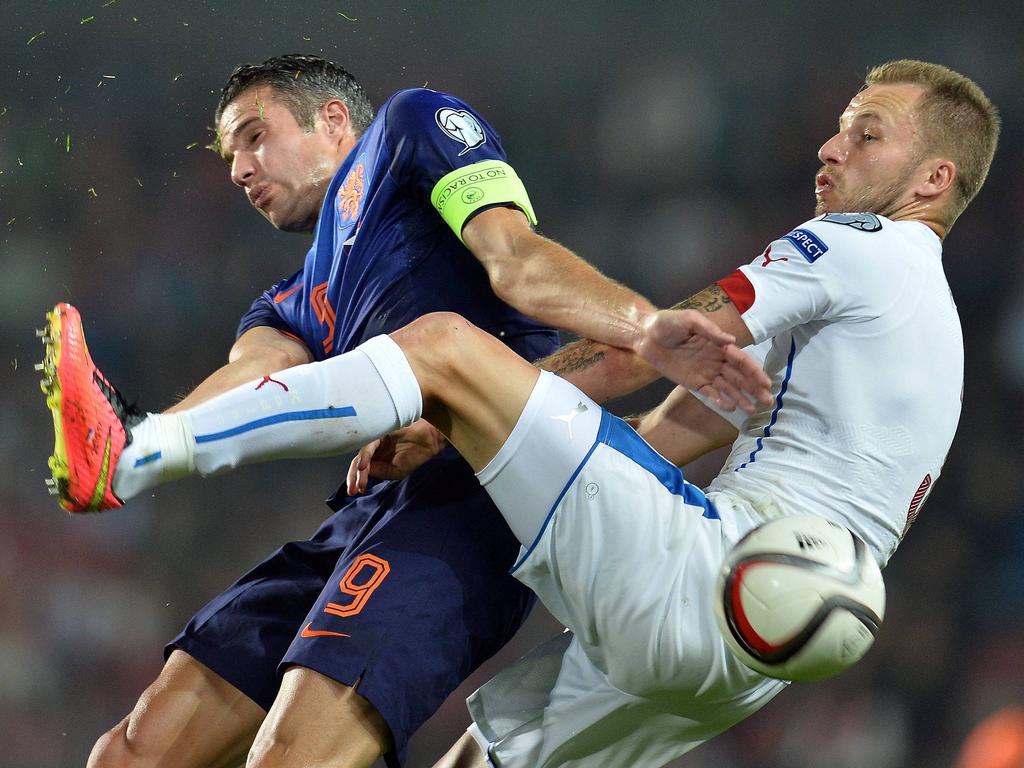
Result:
pixel 303 83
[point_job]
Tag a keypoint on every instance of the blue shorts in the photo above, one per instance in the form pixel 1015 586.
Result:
pixel 402 594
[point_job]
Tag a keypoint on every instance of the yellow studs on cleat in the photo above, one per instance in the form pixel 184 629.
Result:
pixel 57 485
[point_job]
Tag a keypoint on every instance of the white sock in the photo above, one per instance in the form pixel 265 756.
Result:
pixel 161 450
pixel 318 409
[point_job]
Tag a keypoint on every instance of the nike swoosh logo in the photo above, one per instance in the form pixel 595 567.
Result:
pixel 282 296
pixel 307 632
pixel 101 483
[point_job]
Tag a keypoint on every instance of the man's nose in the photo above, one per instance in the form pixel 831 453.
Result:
pixel 242 170
pixel 833 151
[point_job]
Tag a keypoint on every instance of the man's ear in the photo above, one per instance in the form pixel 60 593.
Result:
pixel 334 113
pixel 941 175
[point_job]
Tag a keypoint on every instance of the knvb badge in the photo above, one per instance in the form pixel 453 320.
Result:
pixel 350 194
pixel 807 243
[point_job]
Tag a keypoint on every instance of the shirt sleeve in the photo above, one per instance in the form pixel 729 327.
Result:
pixel 449 155
pixel 266 312
pixel 804 276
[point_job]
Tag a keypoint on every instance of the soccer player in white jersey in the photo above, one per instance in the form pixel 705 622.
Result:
pixel 861 341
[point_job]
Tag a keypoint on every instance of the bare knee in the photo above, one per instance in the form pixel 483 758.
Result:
pixel 430 342
pixel 112 749
pixel 189 714
pixel 141 739
pixel 138 740
pixel 297 748
pixel 443 349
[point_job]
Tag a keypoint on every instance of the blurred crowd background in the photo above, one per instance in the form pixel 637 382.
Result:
pixel 666 142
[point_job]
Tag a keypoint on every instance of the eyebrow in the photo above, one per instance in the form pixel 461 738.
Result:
pixel 869 115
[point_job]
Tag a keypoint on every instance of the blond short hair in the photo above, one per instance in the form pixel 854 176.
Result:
pixel 960 122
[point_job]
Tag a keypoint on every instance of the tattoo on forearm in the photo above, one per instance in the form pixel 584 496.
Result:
pixel 576 356
pixel 711 299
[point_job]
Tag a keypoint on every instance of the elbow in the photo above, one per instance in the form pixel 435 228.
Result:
pixel 509 286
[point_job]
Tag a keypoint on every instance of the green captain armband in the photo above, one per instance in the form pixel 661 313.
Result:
pixel 466 190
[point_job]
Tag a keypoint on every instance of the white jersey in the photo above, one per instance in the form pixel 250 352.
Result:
pixel 865 352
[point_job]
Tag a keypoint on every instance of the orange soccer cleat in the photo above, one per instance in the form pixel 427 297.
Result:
pixel 91 420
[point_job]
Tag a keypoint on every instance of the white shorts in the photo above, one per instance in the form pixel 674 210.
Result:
pixel 625 553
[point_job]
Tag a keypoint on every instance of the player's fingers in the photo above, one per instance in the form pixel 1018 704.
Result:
pixel 744 388
pixel 358 468
pixel 744 372
pixel 732 393
pixel 718 396
pixel 723 402
pixel 367 452
pixel 352 476
pixel 747 395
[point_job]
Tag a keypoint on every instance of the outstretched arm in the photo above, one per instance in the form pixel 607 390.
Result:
pixel 602 371
pixel 605 372
pixel 550 283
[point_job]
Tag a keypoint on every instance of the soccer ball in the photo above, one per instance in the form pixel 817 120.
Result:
pixel 800 598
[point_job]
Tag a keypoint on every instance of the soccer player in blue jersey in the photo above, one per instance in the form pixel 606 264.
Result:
pixel 334 650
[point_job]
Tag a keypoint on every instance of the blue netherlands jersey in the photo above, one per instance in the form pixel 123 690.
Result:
pixel 382 255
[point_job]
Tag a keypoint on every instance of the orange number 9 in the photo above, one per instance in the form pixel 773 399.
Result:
pixel 378 569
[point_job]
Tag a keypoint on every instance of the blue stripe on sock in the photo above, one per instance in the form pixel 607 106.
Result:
pixel 324 413
pixel 147 459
